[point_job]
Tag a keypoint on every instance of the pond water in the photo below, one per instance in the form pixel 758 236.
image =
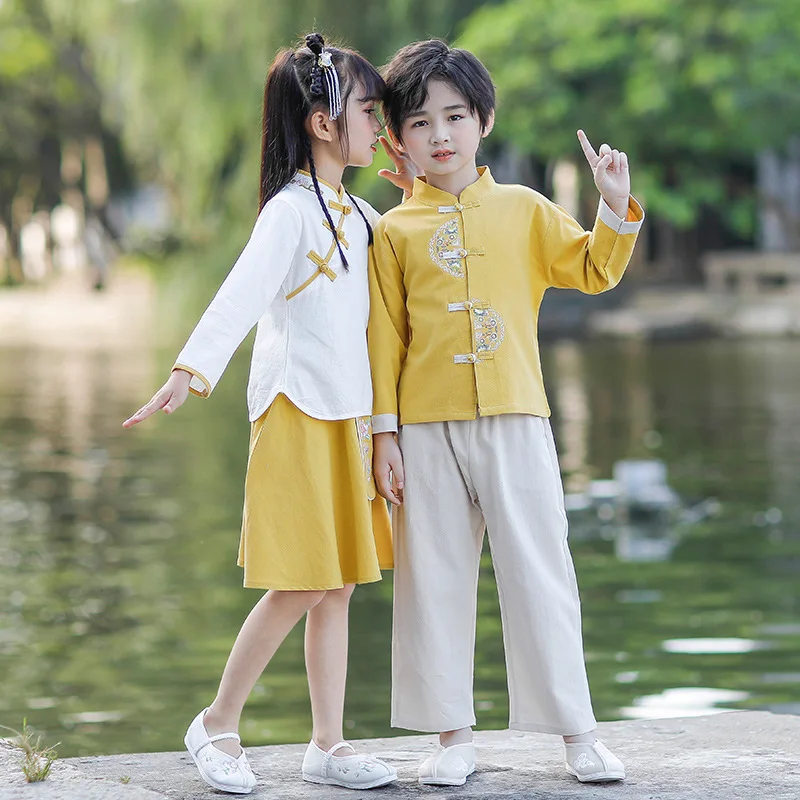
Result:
pixel 120 597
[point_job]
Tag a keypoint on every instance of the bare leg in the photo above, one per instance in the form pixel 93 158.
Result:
pixel 461 736
pixel 581 738
pixel 326 664
pixel 266 626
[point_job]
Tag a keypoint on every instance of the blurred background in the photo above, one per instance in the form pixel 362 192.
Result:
pixel 129 138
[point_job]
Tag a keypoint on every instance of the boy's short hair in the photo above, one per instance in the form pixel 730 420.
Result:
pixel 408 73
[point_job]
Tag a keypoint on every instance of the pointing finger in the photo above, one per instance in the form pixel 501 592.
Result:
pixel 588 150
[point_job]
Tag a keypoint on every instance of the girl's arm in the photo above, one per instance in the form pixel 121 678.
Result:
pixel 249 289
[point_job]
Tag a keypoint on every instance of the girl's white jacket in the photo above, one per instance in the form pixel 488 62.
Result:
pixel 312 347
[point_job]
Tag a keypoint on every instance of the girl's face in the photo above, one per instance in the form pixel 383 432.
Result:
pixel 363 126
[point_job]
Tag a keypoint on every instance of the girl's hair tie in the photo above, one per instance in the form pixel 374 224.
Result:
pixel 324 72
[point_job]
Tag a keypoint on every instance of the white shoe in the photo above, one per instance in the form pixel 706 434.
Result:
pixel 593 763
pixel 351 772
pixel 448 766
pixel 218 769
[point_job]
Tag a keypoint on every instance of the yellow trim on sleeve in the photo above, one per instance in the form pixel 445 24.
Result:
pixel 199 377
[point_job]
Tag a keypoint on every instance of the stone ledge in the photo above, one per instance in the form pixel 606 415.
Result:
pixel 727 756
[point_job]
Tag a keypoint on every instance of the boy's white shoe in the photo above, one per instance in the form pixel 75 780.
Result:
pixel 351 772
pixel 218 769
pixel 593 763
pixel 448 766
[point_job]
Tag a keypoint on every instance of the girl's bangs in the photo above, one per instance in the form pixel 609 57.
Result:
pixel 363 73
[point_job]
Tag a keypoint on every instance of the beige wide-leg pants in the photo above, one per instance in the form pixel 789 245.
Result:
pixel 500 473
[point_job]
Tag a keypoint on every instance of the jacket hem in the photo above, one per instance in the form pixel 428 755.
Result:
pixel 254 412
pixel 492 411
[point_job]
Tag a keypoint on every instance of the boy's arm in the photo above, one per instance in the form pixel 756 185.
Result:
pixel 592 261
pixel 387 334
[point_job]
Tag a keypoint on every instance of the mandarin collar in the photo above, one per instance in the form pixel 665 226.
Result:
pixel 303 179
pixel 432 196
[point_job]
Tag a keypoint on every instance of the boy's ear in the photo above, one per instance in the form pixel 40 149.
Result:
pixel 396 143
pixel 489 125
pixel 321 126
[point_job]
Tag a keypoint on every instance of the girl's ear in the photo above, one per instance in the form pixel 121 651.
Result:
pixel 321 126
pixel 489 125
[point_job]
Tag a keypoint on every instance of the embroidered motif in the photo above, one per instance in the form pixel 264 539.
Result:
pixel 445 249
pixel 304 181
pixel 583 762
pixel 364 427
pixel 490 330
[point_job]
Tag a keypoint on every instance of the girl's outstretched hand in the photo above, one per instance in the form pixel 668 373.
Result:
pixel 405 169
pixel 170 397
pixel 611 174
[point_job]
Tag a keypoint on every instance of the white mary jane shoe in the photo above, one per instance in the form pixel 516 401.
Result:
pixel 448 766
pixel 351 772
pixel 593 763
pixel 218 769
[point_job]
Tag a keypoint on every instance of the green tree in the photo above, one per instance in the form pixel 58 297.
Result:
pixel 689 88
pixel 46 97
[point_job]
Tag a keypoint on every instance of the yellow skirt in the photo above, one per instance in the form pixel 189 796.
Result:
pixel 311 518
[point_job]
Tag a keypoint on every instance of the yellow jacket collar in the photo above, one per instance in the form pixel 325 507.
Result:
pixel 432 196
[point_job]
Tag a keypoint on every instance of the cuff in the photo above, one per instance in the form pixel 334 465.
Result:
pixel 384 423
pixel 622 226
pixel 198 385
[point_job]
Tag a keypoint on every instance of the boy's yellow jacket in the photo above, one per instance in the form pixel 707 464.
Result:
pixel 455 290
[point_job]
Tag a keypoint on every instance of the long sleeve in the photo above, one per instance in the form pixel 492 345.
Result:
pixel 251 286
pixel 388 334
pixel 591 261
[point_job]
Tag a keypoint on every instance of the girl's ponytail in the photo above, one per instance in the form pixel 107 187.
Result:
pixel 285 109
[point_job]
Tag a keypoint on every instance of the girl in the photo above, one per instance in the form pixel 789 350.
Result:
pixel 310 530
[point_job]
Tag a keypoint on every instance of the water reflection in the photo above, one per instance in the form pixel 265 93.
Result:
pixel 120 595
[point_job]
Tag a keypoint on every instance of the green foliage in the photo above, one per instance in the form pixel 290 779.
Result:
pixel 46 95
pixel 184 79
pixel 687 87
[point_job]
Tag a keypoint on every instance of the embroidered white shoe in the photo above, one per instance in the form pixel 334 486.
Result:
pixel 218 769
pixel 351 772
pixel 593 763
pixel 448 766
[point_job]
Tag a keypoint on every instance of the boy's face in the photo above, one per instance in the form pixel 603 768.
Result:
pixel 442 137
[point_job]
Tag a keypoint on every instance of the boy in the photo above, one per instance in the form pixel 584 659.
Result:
pixel 457 277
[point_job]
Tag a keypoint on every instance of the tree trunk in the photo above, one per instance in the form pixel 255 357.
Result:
pixel 778 181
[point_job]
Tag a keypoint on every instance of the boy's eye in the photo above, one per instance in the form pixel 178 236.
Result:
pixel 456 117
pixel 419 123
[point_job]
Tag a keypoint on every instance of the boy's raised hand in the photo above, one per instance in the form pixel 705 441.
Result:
pixel 171 396
pixel 611 174
pixel 405 169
